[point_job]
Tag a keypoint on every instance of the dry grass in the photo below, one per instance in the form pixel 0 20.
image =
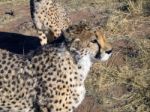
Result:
pixel 135 7
pixel 10 1
pixel 124 88
pixel 132 79
pixel 121 87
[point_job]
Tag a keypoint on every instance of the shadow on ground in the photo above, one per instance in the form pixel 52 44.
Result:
pixel 18 43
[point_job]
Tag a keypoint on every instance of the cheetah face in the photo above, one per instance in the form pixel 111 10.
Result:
pixel 92 43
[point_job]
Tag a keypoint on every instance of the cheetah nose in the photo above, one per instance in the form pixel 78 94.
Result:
pixel 109 51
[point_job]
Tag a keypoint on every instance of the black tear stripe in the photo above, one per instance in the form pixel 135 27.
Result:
pixel 98 56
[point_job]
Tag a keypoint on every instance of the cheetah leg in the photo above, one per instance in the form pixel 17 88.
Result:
pixel 43 37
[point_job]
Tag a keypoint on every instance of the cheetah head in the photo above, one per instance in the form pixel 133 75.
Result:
pixel 92 43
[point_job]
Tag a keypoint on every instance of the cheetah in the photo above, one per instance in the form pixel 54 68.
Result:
pixel 49 18
pixel 50 79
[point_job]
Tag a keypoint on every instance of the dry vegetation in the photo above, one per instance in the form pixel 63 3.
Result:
pixel 125 87
pixel 123 83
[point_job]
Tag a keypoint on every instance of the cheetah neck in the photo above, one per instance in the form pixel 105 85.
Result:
pixel 85 63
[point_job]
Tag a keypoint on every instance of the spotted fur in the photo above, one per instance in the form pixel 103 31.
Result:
pixel 50 18
pixel 50 79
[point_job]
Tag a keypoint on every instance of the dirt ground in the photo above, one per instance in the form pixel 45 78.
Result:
pixel 119 85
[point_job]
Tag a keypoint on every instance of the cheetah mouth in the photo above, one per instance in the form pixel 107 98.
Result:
pixel 98 55
pixel 102 56
pixel 96 58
